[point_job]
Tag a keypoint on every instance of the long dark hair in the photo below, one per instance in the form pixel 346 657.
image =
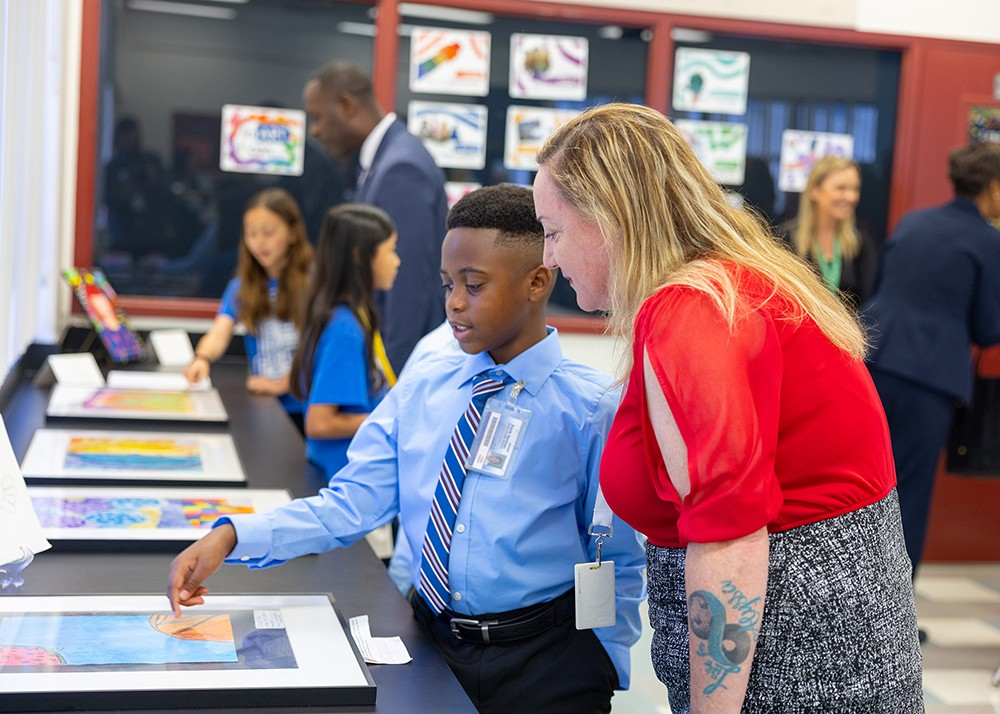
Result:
pixel 255 304
pixel 350 236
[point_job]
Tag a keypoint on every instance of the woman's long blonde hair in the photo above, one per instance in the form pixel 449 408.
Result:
pixel 666 222
pixel 804 236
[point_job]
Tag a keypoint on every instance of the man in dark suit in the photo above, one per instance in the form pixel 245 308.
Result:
pixel 399 176
pixel 937 292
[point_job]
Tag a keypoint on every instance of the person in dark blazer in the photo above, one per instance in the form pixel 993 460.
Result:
pixel 826 234
pixel 398 175
pixel 937 292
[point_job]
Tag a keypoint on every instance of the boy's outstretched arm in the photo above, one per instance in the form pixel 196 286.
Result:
pixel 195 564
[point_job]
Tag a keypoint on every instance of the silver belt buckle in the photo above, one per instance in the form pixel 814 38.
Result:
pixel 483 625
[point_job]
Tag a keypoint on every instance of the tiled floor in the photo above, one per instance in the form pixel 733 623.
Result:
pixel 958 607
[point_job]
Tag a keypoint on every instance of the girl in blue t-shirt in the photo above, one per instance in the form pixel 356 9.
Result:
pixel 341 371
pixel 268 296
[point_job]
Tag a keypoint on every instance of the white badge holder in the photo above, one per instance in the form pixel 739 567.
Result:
pixel 595 582
pixel 500 433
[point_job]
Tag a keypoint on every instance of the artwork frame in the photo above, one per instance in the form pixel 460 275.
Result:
pixel 294 650
pixel 136 404
pixel 140 518
pixel 120 458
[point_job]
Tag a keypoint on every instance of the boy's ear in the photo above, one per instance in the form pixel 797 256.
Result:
pixel 542 280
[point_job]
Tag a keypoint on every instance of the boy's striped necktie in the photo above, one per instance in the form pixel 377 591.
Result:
pixel 444 508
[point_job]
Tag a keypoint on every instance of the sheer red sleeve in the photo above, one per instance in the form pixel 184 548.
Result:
pixel 723 387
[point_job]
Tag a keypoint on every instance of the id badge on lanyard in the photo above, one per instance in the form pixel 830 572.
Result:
pixel 501 431
pixel 594 583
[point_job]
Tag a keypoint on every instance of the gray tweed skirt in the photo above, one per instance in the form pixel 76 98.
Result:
pixel 839 631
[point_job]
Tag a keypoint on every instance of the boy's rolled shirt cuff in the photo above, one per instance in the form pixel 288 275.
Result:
pixel 253 537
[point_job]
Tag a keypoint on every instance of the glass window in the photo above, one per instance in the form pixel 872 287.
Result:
pixel 616 71
pixel 167 220
pixel 811 87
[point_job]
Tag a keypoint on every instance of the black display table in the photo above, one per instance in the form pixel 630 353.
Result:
pixel 273 456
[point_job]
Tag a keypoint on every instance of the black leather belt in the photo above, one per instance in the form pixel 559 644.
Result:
pixel 506 626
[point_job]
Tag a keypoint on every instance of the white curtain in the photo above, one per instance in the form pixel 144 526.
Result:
pixel 39 101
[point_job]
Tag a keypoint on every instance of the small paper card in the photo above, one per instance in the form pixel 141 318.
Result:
pixel 19 527
pixel 75 370
pixel 172 347
pixel 377 650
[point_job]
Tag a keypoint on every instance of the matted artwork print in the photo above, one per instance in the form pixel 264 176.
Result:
pixel 159 405
pixel 114 456
pixel 95 515
pixel 118 651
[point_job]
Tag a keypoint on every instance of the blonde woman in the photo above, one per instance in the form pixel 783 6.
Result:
pixel 750 446
pixel 825 232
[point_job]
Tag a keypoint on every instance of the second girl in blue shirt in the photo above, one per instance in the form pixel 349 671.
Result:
pixel 340 369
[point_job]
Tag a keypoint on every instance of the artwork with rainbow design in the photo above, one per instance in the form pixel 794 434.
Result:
pixel 141 400
pixel 201 405
pixel 94 456
pixel 135 453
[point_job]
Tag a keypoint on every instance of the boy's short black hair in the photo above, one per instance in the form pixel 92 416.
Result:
pixel 506 208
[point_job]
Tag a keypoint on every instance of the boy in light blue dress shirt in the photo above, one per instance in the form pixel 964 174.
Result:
pixel 517 536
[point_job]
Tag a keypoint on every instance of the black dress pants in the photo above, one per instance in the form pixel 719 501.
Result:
pixel 560 671
pixel 919 421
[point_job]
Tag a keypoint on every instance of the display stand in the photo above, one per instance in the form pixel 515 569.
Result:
pixel 10 573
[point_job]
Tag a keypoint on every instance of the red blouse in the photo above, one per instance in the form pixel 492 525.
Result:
pixel 781 427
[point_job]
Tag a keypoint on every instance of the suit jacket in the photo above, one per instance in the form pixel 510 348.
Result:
pixel 936 293
pixel 856 274
pixel 405 182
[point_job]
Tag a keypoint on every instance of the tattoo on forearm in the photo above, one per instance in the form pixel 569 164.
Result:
pixel 723 646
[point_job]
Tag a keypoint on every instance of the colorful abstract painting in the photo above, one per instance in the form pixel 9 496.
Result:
pixel 56 512
pixel 100 302
pixel 140 400
pixel 131 453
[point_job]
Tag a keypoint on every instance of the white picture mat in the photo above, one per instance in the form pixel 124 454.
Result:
pixel 318 640
pixel 46 456
pixel 262 500
pixel 713 81
pixel 548 67
pixel 155 381
pixel 453 134
pixel 447 61
pixel 71 402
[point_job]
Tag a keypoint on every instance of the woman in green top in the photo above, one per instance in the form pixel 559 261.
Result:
pixel 824 231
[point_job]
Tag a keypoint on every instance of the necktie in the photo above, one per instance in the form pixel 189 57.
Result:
pixel 444 508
